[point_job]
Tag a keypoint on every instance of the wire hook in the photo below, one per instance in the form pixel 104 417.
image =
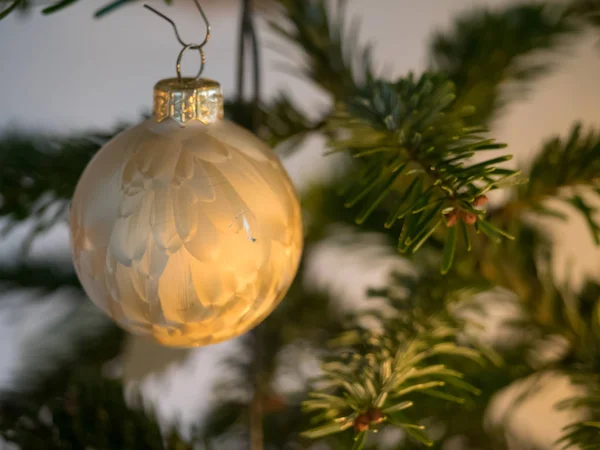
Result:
pixel 185 45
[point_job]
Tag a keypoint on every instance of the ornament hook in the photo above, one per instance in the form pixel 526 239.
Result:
pixel 185 45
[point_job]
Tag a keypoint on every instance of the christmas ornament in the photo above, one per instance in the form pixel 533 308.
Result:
pixel 186 227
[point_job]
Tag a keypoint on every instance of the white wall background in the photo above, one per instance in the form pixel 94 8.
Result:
pixel 68 72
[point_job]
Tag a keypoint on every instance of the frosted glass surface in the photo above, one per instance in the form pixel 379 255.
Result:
pixel 192 235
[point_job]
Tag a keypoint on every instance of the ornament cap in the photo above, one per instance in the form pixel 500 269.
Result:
pixel 188 99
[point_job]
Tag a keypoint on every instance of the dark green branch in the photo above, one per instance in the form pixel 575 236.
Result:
pixel 562 170
pixel 43 276
pixel 8 9
pixel 489 47
pixel 413 146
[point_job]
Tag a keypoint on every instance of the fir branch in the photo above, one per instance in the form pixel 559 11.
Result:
pixel 374 380
pixel 562 167
pixel 414 146
pixel 41 171
pixel 584 434
pixel 8 9
pixel 587 10
pixel 90 352
pixel 60 5
pixel 487 48
pixel 43 276
pixel 575 316
pixel 426 295
pixel 330 49
pixel 381 377
pixel 90 412
pixel 284 123
pixel 63 400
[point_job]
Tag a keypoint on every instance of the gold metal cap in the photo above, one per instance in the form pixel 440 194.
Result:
pixel 188 99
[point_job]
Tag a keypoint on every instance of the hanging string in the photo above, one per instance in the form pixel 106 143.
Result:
pixel 185 46
pixel 248 40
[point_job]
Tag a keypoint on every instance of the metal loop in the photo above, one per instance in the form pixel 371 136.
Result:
pixel 180 57
pixel 185 45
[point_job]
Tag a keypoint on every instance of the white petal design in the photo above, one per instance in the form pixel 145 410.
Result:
pixel 178 297
pixel 129 234
pixel 162 223
pixel 185 210
pixel 207 148
pixel 131 294
pixel 152 263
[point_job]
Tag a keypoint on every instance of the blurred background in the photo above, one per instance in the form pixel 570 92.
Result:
pixel 68 72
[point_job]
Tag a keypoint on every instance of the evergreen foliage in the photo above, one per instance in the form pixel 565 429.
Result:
pixel 485 48
pixel 417 175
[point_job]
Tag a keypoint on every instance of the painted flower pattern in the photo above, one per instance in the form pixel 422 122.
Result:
pixel 192 235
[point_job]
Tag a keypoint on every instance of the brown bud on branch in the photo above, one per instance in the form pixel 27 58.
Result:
pixel 469 218
pixel 480 200
pixel 451 219
pixel 361 423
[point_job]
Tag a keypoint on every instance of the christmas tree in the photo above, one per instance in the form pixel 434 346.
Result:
pixel 418 168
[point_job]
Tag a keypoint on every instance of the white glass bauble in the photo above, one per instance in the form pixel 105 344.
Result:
pixel 191 234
